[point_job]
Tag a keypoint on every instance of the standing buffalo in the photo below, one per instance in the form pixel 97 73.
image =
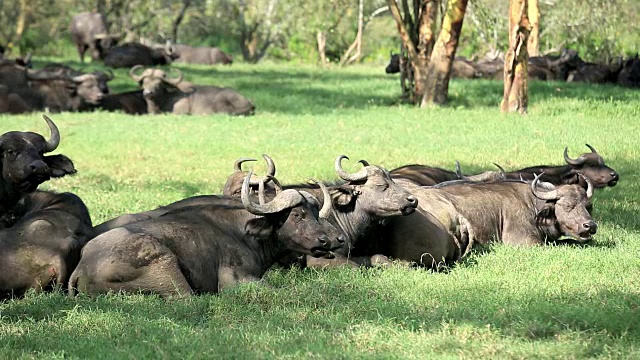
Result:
pixel 205 248
pixel 41 233
pixel 172 95
pixel 132 54
pixel 204 55
pixel 88 32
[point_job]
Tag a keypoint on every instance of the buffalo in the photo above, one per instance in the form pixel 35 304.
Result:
pixel 88 32
pixel 205 248
pixel 41 233
pixel 452 218
pixel 172 95
pixel 361 202
pixel 204 55
pixel 132 54
pixel 590 165
pixel 129 102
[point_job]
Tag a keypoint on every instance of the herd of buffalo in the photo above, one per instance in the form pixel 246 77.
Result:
pixel 568 66
pixel 58 87
pixel 419 214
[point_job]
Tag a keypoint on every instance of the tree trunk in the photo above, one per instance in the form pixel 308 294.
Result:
pixel 533 47
pixel 178 20
pixel 321 39
pixel 22 22
pixel 516 95
pixel 436 90
pixel 347 58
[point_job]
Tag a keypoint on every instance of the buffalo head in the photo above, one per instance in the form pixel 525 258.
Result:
pixel 154 82
pixel 591 166
pixel 394 64
pixel 24 165
pixel 566 209
pixel 304 226
pixel 373 191
pixel 233 186
pixel 90 87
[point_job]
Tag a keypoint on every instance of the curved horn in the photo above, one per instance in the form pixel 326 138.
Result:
pixel 132 72
pixel 82 78
pixel 363 162
pixel 327 205
pixel 271 166
pixel 284 200
pixel 54 139
pixel 592 149
pixel 547 195
pixel 276 183
pixel 579 161
pixel 360 175
pixel 237 166
pixel 589 186
pixel 175 81
pixel 458 170
pixel 502 172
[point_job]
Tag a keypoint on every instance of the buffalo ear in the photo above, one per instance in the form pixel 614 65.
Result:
pixel 59 165
pixel 264 226
pixel 342 197
pixel 547 215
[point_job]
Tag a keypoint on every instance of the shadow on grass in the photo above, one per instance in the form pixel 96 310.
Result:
pixel 251 312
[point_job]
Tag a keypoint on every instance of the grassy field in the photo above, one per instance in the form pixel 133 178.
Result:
pixel 547 302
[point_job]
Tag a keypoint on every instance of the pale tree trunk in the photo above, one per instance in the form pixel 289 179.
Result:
pixel 516 95
pixel 357 43
pixel 321 39
pixel 21 23
pixel 533 47
pixel 436 89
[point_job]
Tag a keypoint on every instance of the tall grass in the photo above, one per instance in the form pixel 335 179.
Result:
pixel 546 302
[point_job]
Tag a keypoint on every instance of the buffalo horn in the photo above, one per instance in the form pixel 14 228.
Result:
pixel 544 195
pixel 592 149
pixel 502 172
pixel 54 140
pixel 237 166
pixel 327 205
pixel 284 200
pixel 579 161
pixel 363 162
pixel 175 81
pixel 589 186
pixel 458 170
pixel 81 78
pixel 359 176
pixel 271 166
pixel 133 75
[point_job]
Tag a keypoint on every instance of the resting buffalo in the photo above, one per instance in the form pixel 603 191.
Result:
pixel 130 102
pixel 629 76
pixel 361 202
pixel 201 55
pixel 172 95
pixel 41 233
pixel 590 165
pixel 88 32
pixel 132 54
pixel 200 249
pixel 232 188
pixel 513 212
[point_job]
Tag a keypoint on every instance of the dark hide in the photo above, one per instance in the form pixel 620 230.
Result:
pixel 199 248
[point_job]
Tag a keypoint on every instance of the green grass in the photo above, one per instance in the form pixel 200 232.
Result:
pixel 547 302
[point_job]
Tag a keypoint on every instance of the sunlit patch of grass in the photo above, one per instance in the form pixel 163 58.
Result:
pixel 548 302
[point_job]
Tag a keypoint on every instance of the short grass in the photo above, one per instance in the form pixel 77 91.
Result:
pixel 547 302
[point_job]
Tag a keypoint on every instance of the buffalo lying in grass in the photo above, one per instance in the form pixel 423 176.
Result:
pixel 172 95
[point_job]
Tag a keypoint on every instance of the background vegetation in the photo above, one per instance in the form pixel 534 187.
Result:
pixel 501 302
pixel 599 29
